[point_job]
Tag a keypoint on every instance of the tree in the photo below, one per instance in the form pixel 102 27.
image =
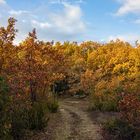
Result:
pixel 7 35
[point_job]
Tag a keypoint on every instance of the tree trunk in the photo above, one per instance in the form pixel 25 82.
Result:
pixel 33 91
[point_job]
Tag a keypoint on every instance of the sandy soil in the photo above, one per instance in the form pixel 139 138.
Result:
pixel 75 122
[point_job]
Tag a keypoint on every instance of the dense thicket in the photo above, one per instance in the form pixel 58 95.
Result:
pixel 33 71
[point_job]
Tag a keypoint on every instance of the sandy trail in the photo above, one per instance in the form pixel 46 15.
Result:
pixel 76 123
pixel 72 122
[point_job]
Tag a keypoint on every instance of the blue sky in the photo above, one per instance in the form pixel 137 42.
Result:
pixel 74 20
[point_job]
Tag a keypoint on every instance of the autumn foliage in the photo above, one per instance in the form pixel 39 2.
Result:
pixel 130 110
pixel 33 71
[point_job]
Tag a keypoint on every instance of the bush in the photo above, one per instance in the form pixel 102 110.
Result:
pixel 37 116
pixel 5 101
pixel 110 105
pixel 19 115
pixel 129 108
pixel 28 117
pixel 19 122
pixel 104 102
pixel 127 127
pixel 52 104
pixel 120 130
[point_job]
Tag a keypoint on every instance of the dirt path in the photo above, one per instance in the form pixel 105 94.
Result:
pixel 72 122
pixel 75 122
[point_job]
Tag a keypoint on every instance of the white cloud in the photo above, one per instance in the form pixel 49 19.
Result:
pixel 125 37
pixel 128 6
pixel 66 1
pixel 43 25
pixel 2 2
pixel 80 1
pixel 65 25
pixel 137 21
pixel 18 13
pixel 70 20
pixel 55 1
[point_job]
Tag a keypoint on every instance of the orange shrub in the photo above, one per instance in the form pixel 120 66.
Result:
pixel 130 109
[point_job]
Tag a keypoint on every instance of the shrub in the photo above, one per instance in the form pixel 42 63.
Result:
pixel 104 102
pixel 109 105
pixel 19 115
pixel 106 95
pixel 19 122
pixel 130 109
pixel 27 117
pixel 37 116
pixel 119 130
pixel 5 101
pixel 96 103
pixel 52 104
pixel 127 127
